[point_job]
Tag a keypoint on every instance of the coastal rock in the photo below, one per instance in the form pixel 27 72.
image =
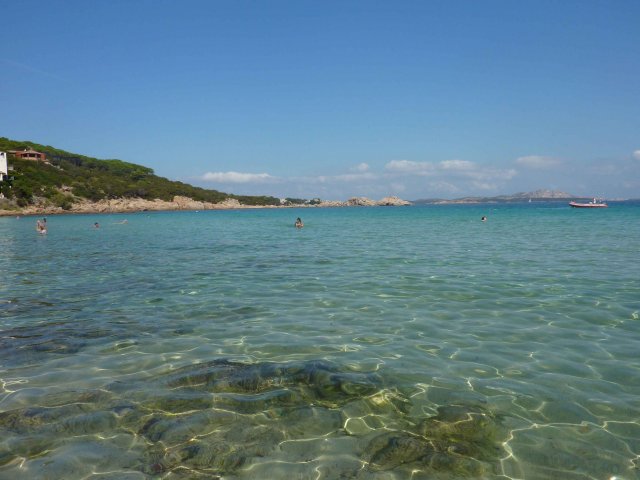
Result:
pixel 126 205
pixel 229 203
pixel 393 202
pixel 186 203
pixel 366 202
pixel 130 205
pixel 121 205
pixel 360 202
pixel 332 203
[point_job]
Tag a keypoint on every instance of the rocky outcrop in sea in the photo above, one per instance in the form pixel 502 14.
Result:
pixel 367 202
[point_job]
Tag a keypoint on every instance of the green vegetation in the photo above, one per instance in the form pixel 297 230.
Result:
pixel 70 176
pixel 301 201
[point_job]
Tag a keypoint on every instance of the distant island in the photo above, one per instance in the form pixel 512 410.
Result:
pixel 538 195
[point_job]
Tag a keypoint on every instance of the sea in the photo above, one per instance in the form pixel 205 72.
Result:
pixel 375 343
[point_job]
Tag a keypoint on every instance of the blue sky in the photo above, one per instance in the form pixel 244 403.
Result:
pixel 335 99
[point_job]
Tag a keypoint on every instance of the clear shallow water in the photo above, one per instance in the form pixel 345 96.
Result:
pixel 375 343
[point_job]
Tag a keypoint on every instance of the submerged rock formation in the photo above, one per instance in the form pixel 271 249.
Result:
pixel 218 419
pixel 461 439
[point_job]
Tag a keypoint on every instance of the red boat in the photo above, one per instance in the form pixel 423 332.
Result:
pixel 593 204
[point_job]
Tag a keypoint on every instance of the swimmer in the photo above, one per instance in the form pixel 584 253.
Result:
pixel 41 227
pixel 299 223
pixel 96 225
pixel 484 219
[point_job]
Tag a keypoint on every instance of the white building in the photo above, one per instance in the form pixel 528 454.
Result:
pixel 4 168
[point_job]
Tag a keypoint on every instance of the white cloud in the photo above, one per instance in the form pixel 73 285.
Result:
pixel 238 177
pixel 478 173
pixel 537 161
pixel 636 154
pixel 346 177
pixel 355 177
pixel 413 179
pixel 444 168
pixel 362 167
pixel 409 166
pixel 458 165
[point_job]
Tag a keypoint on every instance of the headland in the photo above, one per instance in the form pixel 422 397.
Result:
pixel 131 205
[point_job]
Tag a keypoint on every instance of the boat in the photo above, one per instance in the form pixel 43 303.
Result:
pixel 592 204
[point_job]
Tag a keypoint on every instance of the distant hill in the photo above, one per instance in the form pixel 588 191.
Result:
pixel 538 195
pixel 69 177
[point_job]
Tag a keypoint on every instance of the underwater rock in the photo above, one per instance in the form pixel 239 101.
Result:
pixel 32 419
pixel 465 430
pixel 221 453
pixel 178 402
pixel 222 418
pixel 258 402
pixel 58 346
pixel 458 439
pixel 317 380
pixel 30 344
pixel 26 446
pixel 119 476
pixel 260 438
pixel 183 473
pixel 93 422
pixel 222 457
pixel 393 449
pixel 175 429
pixel 306 420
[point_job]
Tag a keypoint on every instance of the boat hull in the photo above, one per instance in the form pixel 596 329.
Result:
pixel 588 205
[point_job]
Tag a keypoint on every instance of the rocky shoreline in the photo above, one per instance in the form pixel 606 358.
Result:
pixel 129 205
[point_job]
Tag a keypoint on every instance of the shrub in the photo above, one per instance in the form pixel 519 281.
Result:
pixel 62 200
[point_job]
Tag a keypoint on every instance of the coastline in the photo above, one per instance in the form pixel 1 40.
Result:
pixel 130 205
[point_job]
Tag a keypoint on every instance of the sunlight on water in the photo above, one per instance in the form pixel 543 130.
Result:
pixel 374 343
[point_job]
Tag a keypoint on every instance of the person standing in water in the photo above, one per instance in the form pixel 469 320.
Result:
pixel 41 226
pixel 299 223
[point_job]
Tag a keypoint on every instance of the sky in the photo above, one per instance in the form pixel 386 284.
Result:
pixel 335 99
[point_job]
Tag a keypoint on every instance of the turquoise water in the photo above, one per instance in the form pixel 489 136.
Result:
pixel 375 343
